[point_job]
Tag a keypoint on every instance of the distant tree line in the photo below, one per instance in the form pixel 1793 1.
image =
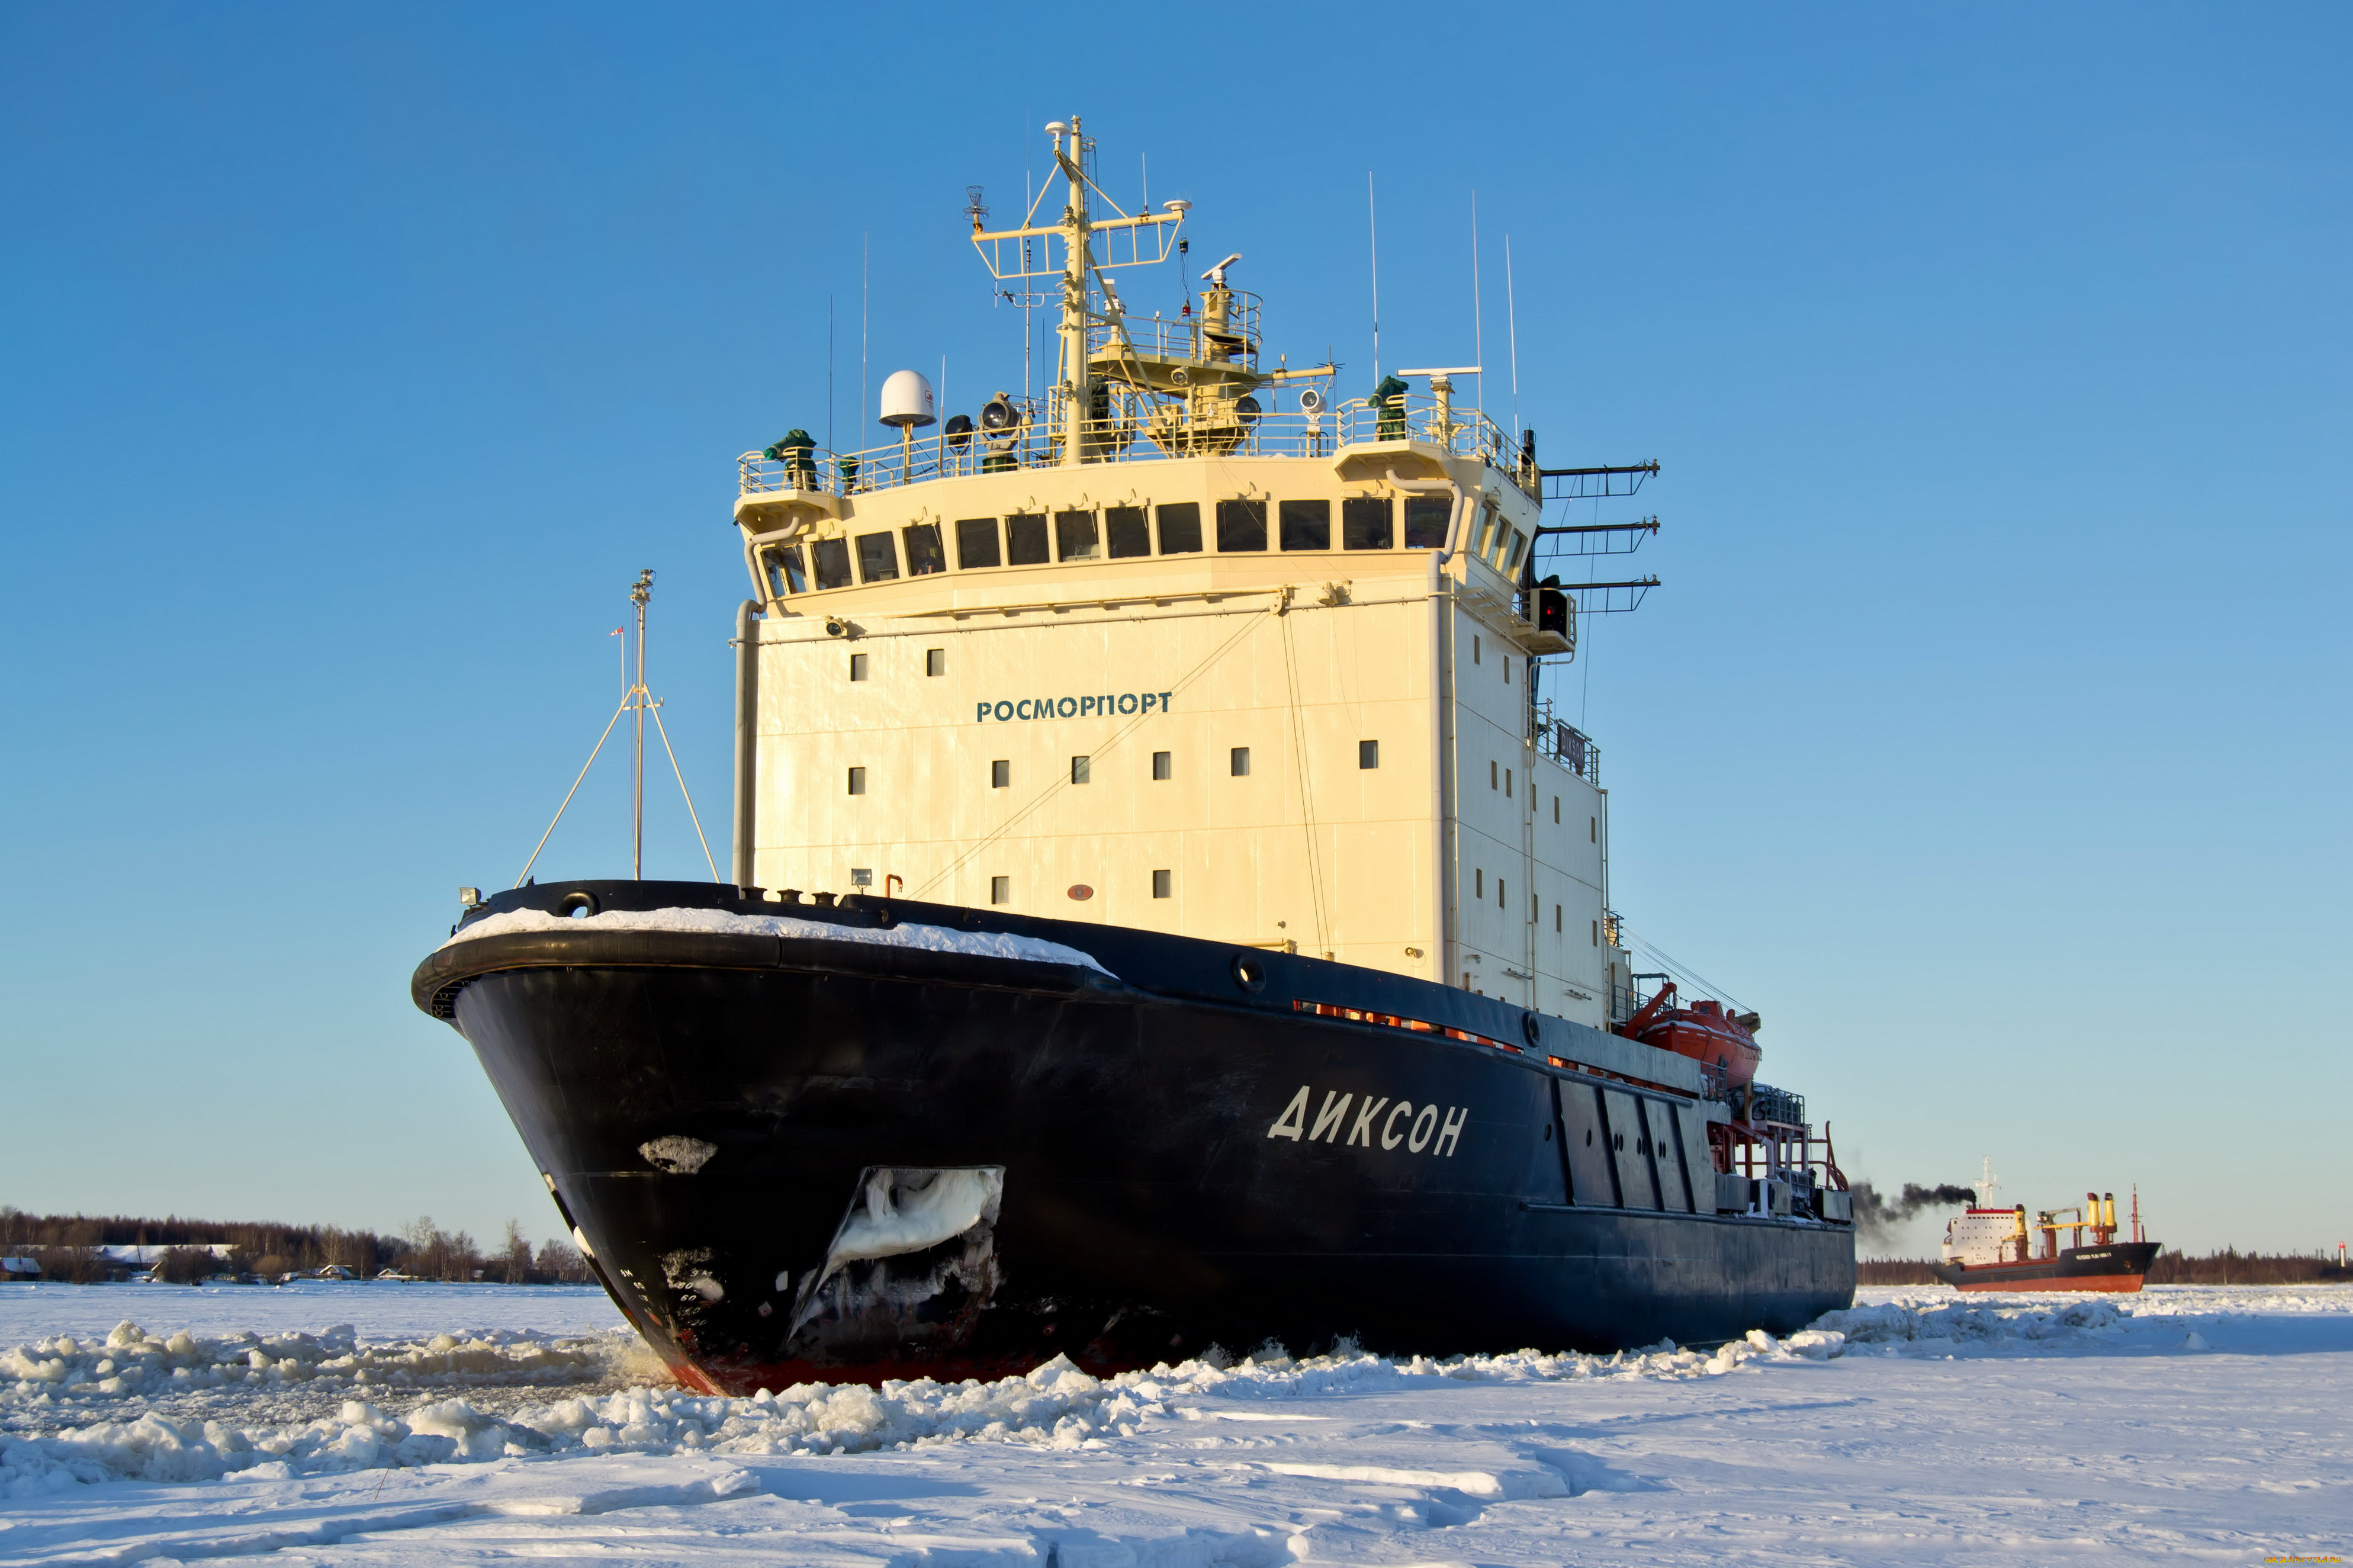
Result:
pixel 67 1247
pixel 2229 1266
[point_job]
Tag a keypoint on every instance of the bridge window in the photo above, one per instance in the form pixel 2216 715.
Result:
pixel 1025 539
pixel 1427 518
pixel 786 573
pixel 1242 525
pixel 1367 523
pixel 976 543
pixel 1519 548
pixel 1180 528
pixel 832 563
pixel 1486 529
pixel 1074 536
pixel 1125 532
pixel 1305 525
pixel 878 558
pixel 925 554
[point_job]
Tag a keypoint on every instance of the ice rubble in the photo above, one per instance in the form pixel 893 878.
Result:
pixel 929 939
pixel 60 1384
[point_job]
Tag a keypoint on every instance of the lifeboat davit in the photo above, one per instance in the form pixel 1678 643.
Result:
pixel 1723 1042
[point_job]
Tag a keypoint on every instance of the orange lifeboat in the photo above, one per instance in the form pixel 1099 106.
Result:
pixel 1723 1043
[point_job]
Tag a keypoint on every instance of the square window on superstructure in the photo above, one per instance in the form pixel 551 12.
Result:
pixel 1477 883
pixel 1305 525
pixel 935 661
pixel 857 666
pixel 857 781
pixel 1368 754
pixel 1507 783
pixel 1000 774
pixel 1239 762
pixel 785 574
pixel 1426 521
pixel 1081 769
pixel 976 543
pixel 1367 523
pixel 878 558
pixel 1074 536
pixel 1001 890
pixel 1180 528
pixel 1164 766
pixel 1163 883
pixel 1493 767
pixel 832 563
pixel 1242 525
pixel 1126 533
pixel 925 554
pixel 1499 892
pixel 1025 539
pixel 1474 648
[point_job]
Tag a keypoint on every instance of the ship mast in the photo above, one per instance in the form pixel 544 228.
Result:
pixel 1078 264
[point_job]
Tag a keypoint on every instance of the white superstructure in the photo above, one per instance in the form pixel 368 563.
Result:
pixel 1185 645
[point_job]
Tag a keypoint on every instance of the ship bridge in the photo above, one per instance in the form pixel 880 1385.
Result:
pixel 1184 644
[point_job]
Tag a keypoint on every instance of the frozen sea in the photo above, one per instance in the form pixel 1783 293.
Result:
pixel 392 1424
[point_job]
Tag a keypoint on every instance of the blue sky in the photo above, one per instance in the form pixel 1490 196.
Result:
pixel 1989 734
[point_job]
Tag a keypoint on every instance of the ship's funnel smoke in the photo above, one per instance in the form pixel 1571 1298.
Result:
pixel 1875 1216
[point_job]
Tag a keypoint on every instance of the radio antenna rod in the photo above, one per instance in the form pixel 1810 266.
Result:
pixel 639 699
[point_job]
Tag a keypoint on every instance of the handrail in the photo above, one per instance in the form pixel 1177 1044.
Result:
pixel 1131 434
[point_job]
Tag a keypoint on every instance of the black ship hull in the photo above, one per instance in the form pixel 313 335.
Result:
pixel 811 1159
pixel 2117 1267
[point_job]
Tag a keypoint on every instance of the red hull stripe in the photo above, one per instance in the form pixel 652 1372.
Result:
pixel 2120 1284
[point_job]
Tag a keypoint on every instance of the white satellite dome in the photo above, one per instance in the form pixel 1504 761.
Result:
pixel 907 399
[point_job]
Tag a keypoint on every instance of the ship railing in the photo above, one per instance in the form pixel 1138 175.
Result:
pixel 1459 429
pixel 1180 337
pixel 1136 429
pixel 1564 743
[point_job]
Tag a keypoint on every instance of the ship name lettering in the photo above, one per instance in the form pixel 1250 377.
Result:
pixel 1102 704
pixel 1391 1136
pixel 1432 1128
pixel 1424 1124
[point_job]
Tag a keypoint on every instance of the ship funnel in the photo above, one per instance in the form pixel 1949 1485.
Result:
pixel 906 399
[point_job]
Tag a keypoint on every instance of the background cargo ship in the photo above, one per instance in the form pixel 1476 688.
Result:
pixel 1156 914
pixel 1994 1249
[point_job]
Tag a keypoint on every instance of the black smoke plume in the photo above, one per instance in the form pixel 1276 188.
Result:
pixel 1876 1216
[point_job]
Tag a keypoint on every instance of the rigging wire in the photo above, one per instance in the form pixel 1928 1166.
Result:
pixel 1681 973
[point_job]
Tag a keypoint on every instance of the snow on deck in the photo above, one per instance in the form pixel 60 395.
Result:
pixel 2186 1423
pixel 928 938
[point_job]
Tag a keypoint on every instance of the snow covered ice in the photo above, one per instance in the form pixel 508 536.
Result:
pixel 364 1422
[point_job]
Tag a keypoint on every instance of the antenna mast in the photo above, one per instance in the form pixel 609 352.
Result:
pixel 643 591
pixel 637 699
